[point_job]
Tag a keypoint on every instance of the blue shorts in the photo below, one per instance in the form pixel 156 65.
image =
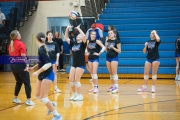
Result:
pixel 177 55
pixel 53 61
pixel 151 61
pixel 50 76
pixel 96 60
pixel 83 67
pixel 112 59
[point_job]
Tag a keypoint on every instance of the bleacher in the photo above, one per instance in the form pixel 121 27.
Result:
pixel 16 12
pixel 134 20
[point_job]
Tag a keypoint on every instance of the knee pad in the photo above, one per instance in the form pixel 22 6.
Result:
pixel 146 77
pixel 111 77
pixel 45 100
pixel 72 84
pixel 154 77
pixel 95 76
pixel 77 84
pixel 115 77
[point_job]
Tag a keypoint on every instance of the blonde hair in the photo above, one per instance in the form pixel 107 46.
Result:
pixel 13 35
pixel 41 38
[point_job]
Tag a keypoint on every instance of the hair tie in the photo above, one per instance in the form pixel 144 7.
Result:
pixel 43 39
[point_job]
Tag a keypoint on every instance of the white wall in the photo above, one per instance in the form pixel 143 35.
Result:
pixel 38 21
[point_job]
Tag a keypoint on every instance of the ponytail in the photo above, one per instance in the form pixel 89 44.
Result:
pixel 41 38
pixel 13 35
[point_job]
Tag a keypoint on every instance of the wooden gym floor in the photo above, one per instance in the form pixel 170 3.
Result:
pixel 126 105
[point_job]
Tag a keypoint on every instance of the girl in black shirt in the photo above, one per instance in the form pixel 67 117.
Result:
pixel 177 55
pixel 93 47
pixel 78 50
pixel 45 76
pixel 151 46
pixel 54 51
pixel 113 48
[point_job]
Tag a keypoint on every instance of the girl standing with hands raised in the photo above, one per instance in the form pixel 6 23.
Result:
pixel 77 69
pixel 151 46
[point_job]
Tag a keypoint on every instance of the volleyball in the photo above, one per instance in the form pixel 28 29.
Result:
pixel 73 15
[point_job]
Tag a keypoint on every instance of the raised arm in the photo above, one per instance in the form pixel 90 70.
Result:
pixel 82 33
pixel 66 34
pixel 156 36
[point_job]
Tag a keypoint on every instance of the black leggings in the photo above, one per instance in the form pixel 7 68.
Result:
pixel 22 77
pixel 61 61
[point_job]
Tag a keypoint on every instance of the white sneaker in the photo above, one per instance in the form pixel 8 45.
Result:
pixel 142 89
pixel 78 98
pixel 91 90
pixel 95 90
pixel 110 89
pixel 54 104
pixel 178 79
pixel 16 100
pixel 115 90
pixel 57 90
pixel 29 102
pixel 72 97
pixel 59 117
pixel 153 90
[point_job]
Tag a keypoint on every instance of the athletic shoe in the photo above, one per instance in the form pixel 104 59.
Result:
pixel 16 100
pixel 57 90
pixel 142 89
pixel 115 90
pixel 29 102
pixel 178 79
pixel 57 117
pixel 110 89
pixel 95 90
pixel 91 90
pixel 72 97
pixel 54 104
pixel 153 90
pixel 78 98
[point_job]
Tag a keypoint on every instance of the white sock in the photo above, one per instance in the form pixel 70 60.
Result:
pixel 55 87
pixel 116 85
pixel 145 86
pixel 55 113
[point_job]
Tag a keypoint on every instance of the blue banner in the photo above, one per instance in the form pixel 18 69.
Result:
pixel 18 59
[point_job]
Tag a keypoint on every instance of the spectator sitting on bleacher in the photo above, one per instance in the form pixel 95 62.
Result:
pixel 99 32
pixel 2 18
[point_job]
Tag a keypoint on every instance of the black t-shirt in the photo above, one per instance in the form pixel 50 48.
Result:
pixel 152 49
pixel 177 46
pixel 53 49
pixel 93 47
pixel 111 53
pixel 59 41
pixel 43 59
pixel 78 51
